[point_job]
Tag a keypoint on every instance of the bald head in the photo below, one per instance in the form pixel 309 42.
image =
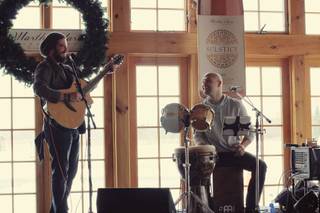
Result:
pixel 212 84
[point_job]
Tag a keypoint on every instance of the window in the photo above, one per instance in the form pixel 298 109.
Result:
pixel 155 148
pixel 79 197
pixel 28 17
pixel 66 17
pixel 17 150
pixel 315 101
pixel 264 89
pixel 157 15
pixel 271 13
pixel 312 9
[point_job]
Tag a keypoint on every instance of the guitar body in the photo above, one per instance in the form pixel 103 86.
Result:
pixel 66 117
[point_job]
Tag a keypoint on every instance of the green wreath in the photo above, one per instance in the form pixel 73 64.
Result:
pixel 91 55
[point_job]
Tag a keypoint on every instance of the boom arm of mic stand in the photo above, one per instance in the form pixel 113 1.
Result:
pixel 253 107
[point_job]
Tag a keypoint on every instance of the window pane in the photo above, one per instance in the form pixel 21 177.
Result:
pixel 147 112
pixel 166 23
pixel 23 117
pixel 273 141
pixel 23 146
pixel 78 180
pixel 147 142
pixel 148 174
pixel 27 18
pixel 168 142
pixel 144 3
pixel 274 170
pixel 5 180
pixel 256 102
pixel 175 194
pixel 5 114
pixel 143 19
pixel 271 81
pixel 97 144
pixel 5 146
pixel 178 4
pixel 315 111
pixel 251 21
pixel 98 91
pixel 274 21
pixel 21 90
pixel 271 5
pixel 169 80
pixel 25 203
pixel 146 80
pixel 75 203
pixel 6 203
pixel 5 85
pixel 314 81
pixel 312 26
pixel 98 180
pixel 316 132
pixel 86 201
pixel 24 177
pixel 97 109
pixel 170 176
pixel 65 18
pixel 312 5
pixel 104 3
pixel 270 193
pixel 272 108
pixel 253 81
pixel 250 5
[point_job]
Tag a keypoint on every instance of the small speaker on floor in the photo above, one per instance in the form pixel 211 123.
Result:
pixel 142 200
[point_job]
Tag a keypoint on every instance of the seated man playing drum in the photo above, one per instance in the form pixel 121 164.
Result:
pixel 231 149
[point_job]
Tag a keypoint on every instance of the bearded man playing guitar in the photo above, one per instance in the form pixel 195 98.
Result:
pixel 53 78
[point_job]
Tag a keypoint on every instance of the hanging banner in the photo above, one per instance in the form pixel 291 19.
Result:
pixel 221 49
pixel 30 39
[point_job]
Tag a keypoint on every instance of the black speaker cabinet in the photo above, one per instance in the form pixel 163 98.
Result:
pixel 138 200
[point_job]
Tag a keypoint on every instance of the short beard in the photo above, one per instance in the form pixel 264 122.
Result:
pixel 59 58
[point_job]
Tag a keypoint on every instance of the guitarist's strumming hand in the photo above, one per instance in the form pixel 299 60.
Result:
pixel 70 97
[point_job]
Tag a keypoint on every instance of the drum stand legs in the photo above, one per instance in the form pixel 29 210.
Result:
pixel 188 194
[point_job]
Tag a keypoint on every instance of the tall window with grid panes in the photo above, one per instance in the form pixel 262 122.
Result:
pixel 17 132
pixel 264 89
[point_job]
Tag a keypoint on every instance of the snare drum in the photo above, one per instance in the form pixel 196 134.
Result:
pixel 201 117
pixel 202 160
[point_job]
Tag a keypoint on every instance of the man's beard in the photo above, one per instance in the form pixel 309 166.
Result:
pixel 60 58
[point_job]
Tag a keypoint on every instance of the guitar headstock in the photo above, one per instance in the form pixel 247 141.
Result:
pixel 117 59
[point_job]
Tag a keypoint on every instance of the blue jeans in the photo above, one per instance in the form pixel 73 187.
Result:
pixel 246 162
pixel 64 150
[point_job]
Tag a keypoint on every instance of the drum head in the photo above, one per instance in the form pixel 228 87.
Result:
pixel 174 117
pixel 201 117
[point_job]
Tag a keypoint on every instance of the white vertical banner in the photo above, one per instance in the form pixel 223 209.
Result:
pixel 221 49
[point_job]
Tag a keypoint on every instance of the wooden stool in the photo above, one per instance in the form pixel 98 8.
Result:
pixel 227 190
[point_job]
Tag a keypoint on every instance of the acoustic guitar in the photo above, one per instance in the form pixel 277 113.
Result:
pixel 71 114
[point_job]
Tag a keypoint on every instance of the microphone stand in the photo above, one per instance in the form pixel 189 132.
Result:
pixel 89 118
pixel 258 131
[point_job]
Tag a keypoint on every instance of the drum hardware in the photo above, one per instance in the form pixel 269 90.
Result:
pixel 176 117
pixel 258 132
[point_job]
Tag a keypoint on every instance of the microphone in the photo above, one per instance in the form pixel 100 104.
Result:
pixel 70 57
pixel 234 88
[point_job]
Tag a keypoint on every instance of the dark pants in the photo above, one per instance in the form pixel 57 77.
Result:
pixel 246 162
pixel 64 150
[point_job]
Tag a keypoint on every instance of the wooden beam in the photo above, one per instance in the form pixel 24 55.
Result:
pixel 120 16
pixel 300 111
pixel 296 17
pixel 192 16
pixel 270 45
pixel 123 126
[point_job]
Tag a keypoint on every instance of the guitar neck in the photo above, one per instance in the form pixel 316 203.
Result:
pixel 93 83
